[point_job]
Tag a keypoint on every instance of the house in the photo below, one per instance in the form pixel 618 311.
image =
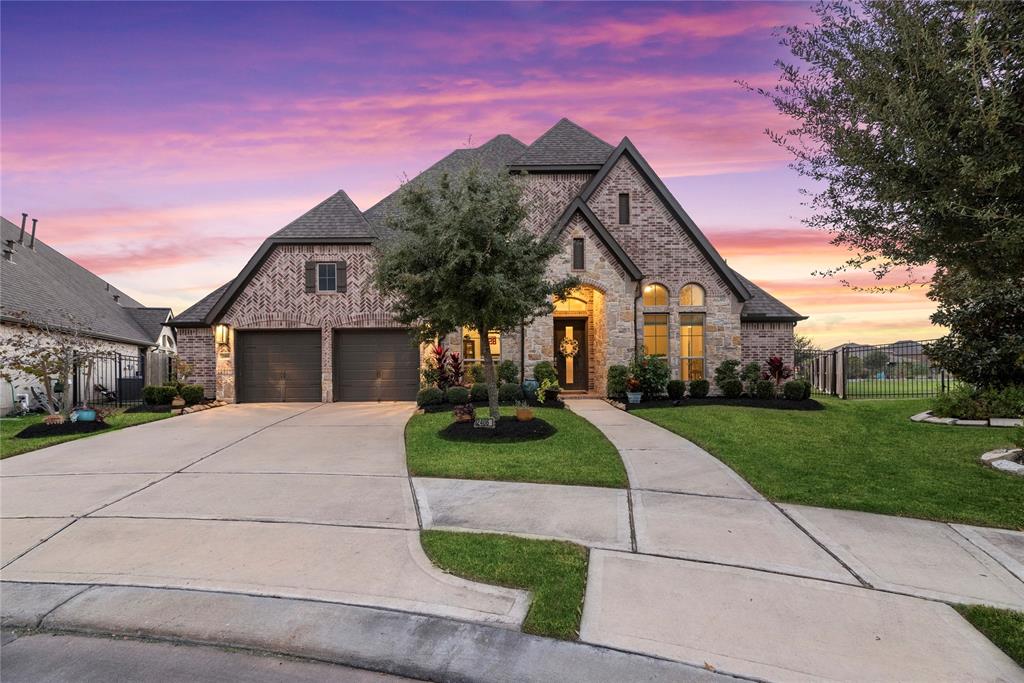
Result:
pixel 302 321
pixel 40 287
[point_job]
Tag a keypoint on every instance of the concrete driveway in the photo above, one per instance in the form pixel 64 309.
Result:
pixel 292 500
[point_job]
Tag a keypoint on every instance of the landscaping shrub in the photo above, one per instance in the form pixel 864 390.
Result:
pixel 676 389
pixel 699 388
pixel 778 370
pixel 192 393
pixel 652 372
pixel 430 396
pixel 1005 402
pixel 967 403
pixel 764 389
pixel 508 372
pixel 478 392
pixel 807 389
pixel 476 373
pixel 726 371
pixel 749 375
pixel 730 389
pixel 158 395
pixel 793 390
pixel 456 395
pixel 617 377
pixel 507 393
pixel 544 370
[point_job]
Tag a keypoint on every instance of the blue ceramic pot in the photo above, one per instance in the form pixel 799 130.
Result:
pixel 85 415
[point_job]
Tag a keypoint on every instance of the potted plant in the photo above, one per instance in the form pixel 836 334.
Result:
pixel 464 413
pixel 633 390
pixel 548 391
pixel 524 413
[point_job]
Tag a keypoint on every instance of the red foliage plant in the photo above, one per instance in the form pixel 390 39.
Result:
pixel 777 370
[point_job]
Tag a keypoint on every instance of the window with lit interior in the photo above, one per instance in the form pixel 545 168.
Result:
pixel 656 334
pixel 691 346
pixel 472 352
pixel 691 295
pixel 655 295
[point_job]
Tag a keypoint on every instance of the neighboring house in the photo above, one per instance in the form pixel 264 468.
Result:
pixel 302 320
pixel 39 286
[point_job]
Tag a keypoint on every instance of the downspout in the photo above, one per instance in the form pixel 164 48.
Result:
pixel 522 354
pixel 636 345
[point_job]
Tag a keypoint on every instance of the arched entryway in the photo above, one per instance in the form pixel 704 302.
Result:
pixel 579 338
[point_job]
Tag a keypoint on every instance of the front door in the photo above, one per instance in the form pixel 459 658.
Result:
pixel 571 352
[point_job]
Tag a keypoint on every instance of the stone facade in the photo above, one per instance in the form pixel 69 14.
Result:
pixel 762 340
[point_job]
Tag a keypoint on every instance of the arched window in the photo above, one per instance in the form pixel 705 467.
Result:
pixel 691 295
pixel 655 295
pixel 570 305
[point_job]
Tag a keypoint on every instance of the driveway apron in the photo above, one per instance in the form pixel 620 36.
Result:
pixel 307 501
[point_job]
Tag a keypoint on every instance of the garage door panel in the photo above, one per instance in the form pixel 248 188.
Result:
pixel 278 366
pixel 380 365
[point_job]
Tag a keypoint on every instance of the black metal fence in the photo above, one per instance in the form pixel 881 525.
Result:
pixel 898 370
pixel 117 379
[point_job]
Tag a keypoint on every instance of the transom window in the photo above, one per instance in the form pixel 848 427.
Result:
pixel 570 305
pixel 655 295
pixel 327 277
pixel 691 346
pixel 691 295
pixel 471 348
pixel 656 334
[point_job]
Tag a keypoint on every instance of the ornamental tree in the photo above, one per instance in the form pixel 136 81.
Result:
pixel 457 254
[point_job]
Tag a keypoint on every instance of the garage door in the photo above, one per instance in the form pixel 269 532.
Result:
pixel 375 365
pixel 277 366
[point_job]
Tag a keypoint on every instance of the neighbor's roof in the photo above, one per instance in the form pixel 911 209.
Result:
pixel 565 145
pixel 49 288
pixel 196 313
pixel 494 154
pixel 764 306
pixel 335 217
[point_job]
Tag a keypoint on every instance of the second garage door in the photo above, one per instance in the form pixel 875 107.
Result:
pixel 278 366
pixel 375 365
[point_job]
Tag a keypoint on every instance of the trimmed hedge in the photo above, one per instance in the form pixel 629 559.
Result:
pixel 764 389
pixel 676 389
pixel 158 395
pixel 429 397
pixel 545 370
pixel 732 388
pixel 508 372
pixel 699 388
pixel 793 390
pixel 475 372
pixel 478 392
pixel 456 395
pixel 192 393
pixel 507 393
pixel 617 377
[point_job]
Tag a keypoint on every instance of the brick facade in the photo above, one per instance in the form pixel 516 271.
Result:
pixel 195 345
pixel 762 340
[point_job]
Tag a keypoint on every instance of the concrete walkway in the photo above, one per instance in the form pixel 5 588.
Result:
pixel 306 501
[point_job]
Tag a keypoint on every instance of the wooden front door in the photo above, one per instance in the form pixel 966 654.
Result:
pixel 571 352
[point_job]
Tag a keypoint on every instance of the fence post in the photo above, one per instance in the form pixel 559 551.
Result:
pixel 117 380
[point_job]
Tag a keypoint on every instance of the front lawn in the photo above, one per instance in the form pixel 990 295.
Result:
pixel 576 454
pixel 1002 626
pixel 555 573
pixel 859 455
pixel 9 426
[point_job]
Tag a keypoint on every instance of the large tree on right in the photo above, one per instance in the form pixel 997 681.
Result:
pixel 909 118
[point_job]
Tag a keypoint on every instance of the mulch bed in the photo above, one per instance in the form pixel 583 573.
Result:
pixel 41 429
pixel 746 402
pixel 506 430
pixel 443 407
pixel 144 408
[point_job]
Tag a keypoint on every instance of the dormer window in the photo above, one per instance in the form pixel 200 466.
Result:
pixel 624 208
pixel 327 277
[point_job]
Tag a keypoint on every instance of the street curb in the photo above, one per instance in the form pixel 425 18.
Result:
pixel 404 644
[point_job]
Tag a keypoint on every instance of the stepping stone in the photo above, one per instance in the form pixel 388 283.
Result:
pixel 780 628
pixel 592 516
pixel 746 533
pixel 913 556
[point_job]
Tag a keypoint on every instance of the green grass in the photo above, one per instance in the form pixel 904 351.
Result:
pixel 1003 627
pixel 882 388
pixel 859 455
pixel 555 573
pixel 9 426
pixel 577 454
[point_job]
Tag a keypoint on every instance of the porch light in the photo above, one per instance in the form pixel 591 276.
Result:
pixel 221 334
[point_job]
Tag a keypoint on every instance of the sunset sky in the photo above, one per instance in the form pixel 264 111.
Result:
pixel 159 144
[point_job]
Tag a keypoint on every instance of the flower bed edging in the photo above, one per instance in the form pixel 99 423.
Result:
pixel 999 422
pixel 1004 460
pixel 198 408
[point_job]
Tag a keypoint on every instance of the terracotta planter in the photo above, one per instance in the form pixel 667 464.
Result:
pixel 524 414
pixel 177 402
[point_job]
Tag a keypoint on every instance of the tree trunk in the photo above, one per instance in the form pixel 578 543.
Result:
pixel 490 376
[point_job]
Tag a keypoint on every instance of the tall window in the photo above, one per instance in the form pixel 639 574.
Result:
pixel 472 352
pixel 656 334
pixel 577 254
pixel 691 295
pixel 655 295
pixel 691 346
pixel 624 208
pixel 327 277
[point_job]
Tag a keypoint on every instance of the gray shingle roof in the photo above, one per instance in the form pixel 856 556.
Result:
pixel 764 306
pixel 494 154
pixel 150 320
pixel 336 217
pixel 48 287
pixel 565 144
pixel 194 314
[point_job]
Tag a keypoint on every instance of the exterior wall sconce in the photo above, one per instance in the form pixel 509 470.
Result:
pixel 222 337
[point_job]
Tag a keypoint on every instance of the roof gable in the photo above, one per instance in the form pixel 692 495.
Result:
pixel 336 217
pixel 564 146
pixel 580 207
pixel 627 149
pixel 50 289
pixel 764 306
